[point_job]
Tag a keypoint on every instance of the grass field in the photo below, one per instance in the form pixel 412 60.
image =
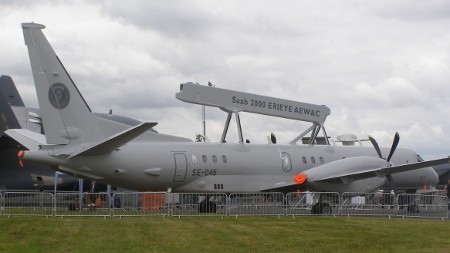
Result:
pixel 213 234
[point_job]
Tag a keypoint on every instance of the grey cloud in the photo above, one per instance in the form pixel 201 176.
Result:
pixel 175 19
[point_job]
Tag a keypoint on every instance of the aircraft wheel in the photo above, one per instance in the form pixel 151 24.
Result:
pixel 316 209
pixel 321 208
pixel 326 209
pixel 207 207
pixel 413 208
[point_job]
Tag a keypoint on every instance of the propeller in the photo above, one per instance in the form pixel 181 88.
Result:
pixel 393 147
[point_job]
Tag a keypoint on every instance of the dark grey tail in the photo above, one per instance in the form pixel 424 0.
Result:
pixel 8 96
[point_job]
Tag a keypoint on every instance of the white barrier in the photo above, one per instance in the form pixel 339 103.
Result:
pixel 312 203
pixel 31 203
pixel 82 204
pixel 140 204
pixel 368 204
pixel 422 205
pixel 253 204
pixel 197 204
pixel 119 204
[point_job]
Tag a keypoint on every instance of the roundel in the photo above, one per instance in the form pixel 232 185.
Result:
pixel 58 95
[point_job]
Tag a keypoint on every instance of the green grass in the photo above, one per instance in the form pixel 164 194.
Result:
pixel 213 234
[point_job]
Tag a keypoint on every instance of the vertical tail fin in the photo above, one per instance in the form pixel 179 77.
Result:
pixel 8 95
pixel 66 116
pixel 13 113
pixel 10 92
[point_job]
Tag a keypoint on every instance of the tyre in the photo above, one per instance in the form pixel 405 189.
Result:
pixel 207 207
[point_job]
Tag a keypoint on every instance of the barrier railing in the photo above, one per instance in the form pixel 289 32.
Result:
pixel 140 204
pixel 245 204
pixel 198 204
pixel 32 203
pixel 120 204
pixel 312 203
pixel 364 204
pixel 82 204
pixel 422 206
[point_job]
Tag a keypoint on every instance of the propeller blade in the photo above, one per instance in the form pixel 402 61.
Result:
pixel 375 145
pixel 394 146
pixel 391 183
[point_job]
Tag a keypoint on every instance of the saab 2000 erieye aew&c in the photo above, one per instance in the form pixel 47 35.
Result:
pixel 79 144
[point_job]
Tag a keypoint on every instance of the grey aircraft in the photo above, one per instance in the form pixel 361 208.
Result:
pixel 77 143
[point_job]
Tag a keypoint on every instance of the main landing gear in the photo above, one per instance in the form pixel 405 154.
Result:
pixel 322 204
pixel 207 206
pixel 321 208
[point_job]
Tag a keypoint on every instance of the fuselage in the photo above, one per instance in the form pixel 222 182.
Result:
pixel 225 167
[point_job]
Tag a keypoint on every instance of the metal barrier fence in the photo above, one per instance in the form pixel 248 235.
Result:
pixel 27 203
pixel 312 203
pixel 363 204
pixel 422 206
pixel 198 204
pixel 120 204
pixel 82 204
pixel 251 204
pixel 140 204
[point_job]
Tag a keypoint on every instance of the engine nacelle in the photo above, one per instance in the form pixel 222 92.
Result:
pixel 342 175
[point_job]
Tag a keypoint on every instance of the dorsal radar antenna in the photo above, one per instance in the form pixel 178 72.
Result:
pixel 234 102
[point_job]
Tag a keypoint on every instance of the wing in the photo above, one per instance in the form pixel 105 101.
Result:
pixel 346 171
pixel 381 172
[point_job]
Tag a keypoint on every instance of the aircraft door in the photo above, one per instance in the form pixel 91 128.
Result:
pixel 180 167
pixel 286 164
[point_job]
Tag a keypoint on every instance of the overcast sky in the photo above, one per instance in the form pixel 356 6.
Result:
pixel 381 66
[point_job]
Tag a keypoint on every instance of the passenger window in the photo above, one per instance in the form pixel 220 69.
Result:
pixel 321 160
pixel 224 159
pixel 304 160
pixel 214 158
pixel 204 158
pixel 313 160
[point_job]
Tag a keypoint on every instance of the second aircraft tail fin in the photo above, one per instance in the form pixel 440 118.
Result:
pixel 8 96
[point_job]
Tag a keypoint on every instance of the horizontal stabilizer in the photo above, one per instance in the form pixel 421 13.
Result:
pixel 116 141
pixel 27 138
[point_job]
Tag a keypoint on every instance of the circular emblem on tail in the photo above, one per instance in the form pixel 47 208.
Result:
pixel 58 95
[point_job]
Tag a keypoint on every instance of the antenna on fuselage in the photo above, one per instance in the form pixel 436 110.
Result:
pixel 234 102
